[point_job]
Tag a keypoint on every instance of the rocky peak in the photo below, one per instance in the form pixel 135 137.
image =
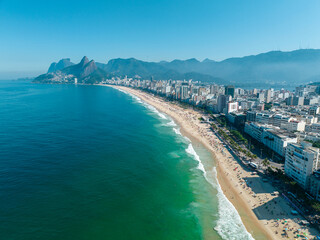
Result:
pixel 63 63
pixel 89 68
pixel 84 61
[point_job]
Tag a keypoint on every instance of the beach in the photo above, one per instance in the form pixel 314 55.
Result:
pixel 264 214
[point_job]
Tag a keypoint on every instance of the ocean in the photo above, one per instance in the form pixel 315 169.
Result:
pixel 92 162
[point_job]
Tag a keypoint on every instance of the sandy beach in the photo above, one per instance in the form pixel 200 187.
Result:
pixel 264 214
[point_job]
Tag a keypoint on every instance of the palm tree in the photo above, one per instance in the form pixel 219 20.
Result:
pixel 265 162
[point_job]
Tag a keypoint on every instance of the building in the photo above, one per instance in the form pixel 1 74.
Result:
pixel 294 126
pixel 237 119
pixel 264 118
pixel 279 119
pixel 232 107
pixel 300 162
pixel 215 89
pixel 202 91
pixel 314 110
pixel 251 116
pixel 298 101
pixel 314 128
pixel 277 140
pixel 255 130
pixel 222 102
pixel 229 90
pixel 314 185
pixel 184 92
pixel 268 96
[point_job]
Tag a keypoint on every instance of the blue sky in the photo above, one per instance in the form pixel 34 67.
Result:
pixel 35 33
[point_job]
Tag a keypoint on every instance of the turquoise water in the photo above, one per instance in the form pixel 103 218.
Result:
pixel 91 162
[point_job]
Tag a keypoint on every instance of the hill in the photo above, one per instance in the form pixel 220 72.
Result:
pixel 273 68
pixel 85 72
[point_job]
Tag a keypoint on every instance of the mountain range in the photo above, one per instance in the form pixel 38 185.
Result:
pixel 272 68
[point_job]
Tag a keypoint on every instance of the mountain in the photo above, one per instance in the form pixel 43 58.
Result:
pixel 85 72
pixel 275 68
pixel 158 71
pixel 63 63
pixel 82 69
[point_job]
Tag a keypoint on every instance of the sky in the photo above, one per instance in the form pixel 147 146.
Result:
pixel 35 33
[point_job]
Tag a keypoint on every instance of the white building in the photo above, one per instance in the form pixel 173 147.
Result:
pixel 264 118
pixel 314 128
pixel 184 92
pixel 279 119
pixel 294 125
pixel 277 140
pixel 255 130
pixel 300 162
pixel 232 107
pixel 308 119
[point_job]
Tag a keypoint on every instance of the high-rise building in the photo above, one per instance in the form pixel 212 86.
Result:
pixel 232 107
pixel 222 102
pixel 301 161
pixel 184 92
pixel 229 90
pixel 267 96
pixel 298 101
pixel 214 89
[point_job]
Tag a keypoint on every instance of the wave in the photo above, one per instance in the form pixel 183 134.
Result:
pixel 171 124
pixel 192 152
pixel 177 131
pixel 153 109
pixel 229 224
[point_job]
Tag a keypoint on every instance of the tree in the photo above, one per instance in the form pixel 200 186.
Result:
pixel 265 162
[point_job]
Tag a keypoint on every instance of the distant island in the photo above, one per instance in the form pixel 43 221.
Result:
pixel 275 68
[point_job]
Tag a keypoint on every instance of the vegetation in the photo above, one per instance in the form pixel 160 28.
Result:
pixel 266 162
pixel 267 106
pixel 314 143
pixel 221 120
pixel 239 136
pixel 315 205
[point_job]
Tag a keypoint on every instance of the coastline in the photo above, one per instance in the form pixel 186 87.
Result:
pixel 258 220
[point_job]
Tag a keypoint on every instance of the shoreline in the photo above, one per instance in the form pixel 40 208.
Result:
pixel 249 220
pixel 264 215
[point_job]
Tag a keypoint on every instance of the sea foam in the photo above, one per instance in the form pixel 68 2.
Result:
pixel 192 152
pixel 153 109
pixel 229 225
pixel 171 124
